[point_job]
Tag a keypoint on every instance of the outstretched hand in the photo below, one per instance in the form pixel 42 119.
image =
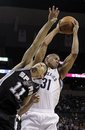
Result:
pixel 53 14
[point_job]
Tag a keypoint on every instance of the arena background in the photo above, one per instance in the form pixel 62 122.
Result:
pixel 20 20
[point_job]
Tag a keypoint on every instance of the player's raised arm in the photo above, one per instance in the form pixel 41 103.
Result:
pixel 52 17
pixel 69 61
pixel 43 48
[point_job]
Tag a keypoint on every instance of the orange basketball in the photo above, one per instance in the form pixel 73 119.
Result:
pixel 66 25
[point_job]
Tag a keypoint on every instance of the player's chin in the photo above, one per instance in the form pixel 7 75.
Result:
pixel 54 66
pixel 37 77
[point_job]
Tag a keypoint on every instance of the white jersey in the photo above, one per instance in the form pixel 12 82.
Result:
pixel 49 91
pixel 41 115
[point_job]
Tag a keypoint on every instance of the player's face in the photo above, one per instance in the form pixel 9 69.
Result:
pixel 53 61
pixel 38 70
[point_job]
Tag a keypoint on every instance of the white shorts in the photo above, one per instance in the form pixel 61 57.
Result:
pixel 39 120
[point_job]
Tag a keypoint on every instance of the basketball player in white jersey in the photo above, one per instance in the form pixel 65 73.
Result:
pixel 41 116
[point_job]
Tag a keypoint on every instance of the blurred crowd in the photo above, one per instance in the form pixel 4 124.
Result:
pixel 71 110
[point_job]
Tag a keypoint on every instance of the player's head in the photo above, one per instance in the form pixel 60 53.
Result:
pixel 52 60
pixel 38 70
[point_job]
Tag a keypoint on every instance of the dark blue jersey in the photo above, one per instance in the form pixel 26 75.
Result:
pixel 14 87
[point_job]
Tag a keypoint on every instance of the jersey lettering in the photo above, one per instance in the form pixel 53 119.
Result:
pixel 14 90
pixel 46 83
pixel 24 76
pixel 30 90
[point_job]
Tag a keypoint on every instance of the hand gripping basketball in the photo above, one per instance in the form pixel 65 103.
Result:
pixel 66 25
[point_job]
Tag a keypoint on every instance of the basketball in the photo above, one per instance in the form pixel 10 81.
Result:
pixel 66 25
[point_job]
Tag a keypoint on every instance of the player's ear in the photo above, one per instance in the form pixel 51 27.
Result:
pixel 33 70
pixel 46 60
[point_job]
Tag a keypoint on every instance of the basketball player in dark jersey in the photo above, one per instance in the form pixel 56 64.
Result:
pixel 13 88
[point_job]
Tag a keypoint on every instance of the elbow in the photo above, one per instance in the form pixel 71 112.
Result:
pixel 75 52
pixel 75 55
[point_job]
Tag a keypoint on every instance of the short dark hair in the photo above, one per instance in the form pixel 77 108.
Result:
pixel 50 55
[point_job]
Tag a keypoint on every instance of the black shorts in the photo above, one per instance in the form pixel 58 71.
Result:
pixel 6 121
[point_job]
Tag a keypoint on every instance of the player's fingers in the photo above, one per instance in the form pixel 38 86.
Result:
pixel 53 8
pixel 56 9
pixel 49 10
pixel 37 98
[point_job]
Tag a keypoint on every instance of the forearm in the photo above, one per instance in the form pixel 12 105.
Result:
pixel 40 54
pixel 50 36
pixel 28 102
pixel 24 109
pixel 75 45
pixel 26 105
